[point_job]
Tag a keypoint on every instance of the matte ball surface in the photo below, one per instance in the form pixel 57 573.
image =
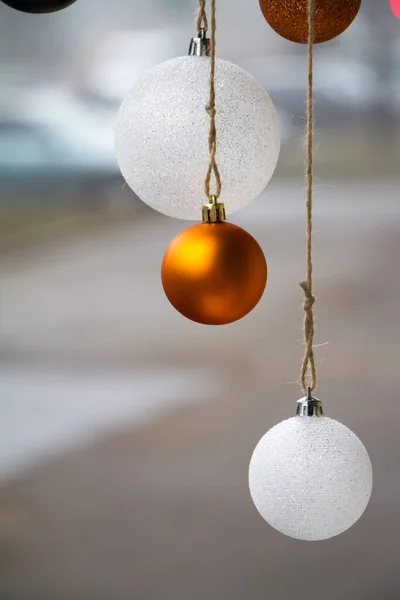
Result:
pixel 310 478
pixel 161 136
pixel 214 273
pixel 38 6
pixel 289 18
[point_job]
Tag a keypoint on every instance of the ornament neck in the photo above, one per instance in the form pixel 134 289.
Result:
pixel 309 406
pixel 200 45
pixel 214 211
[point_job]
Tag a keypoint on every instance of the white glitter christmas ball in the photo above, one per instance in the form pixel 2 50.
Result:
pixel 161 136
pixel 310 478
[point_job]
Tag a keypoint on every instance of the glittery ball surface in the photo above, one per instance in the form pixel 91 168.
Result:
pixel 310 478
pixel 161 136
pixel 289 18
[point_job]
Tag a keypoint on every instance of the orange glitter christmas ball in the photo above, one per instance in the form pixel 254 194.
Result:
pixel 214 273
pixel 289 18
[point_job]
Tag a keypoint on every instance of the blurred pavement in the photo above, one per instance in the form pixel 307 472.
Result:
pixel 160 510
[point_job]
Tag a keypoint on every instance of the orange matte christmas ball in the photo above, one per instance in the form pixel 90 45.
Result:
pixel 214 273
pixel 289 18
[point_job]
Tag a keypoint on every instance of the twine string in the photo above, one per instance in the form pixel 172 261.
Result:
pixel 308 377
pixel 211 110
pixel 202 21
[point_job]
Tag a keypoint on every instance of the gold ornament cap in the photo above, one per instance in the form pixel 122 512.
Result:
pixel 214 211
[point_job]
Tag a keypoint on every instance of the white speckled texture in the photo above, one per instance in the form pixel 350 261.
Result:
pixel 310 478
pixel 161 136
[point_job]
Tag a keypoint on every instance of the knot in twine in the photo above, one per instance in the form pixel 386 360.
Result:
pixel 309 298
pixel 211 110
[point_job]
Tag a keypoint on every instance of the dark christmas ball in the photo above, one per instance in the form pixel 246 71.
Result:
pixel 38 6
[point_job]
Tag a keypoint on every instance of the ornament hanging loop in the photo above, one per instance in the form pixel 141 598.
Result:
pixel 211 110
pixel 202 21
pixel 308 367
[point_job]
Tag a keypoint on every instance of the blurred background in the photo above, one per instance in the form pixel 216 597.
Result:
pixel 125 430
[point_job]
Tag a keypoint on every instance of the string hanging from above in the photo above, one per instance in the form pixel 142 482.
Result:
pixel 310 477
pixel 38 6
pixel 214 273
pixel 308 366
pixel 161 132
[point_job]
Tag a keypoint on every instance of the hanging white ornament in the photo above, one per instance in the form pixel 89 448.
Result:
pixel 310 477
pixel 161 134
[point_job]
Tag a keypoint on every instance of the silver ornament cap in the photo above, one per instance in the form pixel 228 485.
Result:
pixel 309 406
pixel 200 45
